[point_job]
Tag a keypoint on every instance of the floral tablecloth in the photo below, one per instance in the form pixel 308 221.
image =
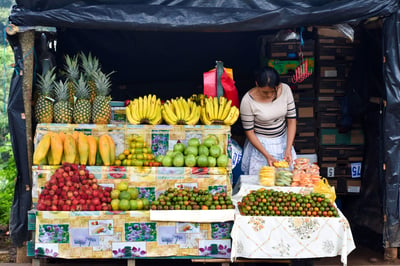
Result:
pixel 289 237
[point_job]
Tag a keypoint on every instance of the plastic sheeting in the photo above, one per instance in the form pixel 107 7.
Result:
pixel 391 126
pixel 195 15
pixel 202 16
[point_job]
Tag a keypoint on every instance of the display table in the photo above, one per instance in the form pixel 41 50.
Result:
pixel 272 237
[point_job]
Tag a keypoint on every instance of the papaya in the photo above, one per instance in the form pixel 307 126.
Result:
pixel 50 158
pixel 83 148
pixel 112 149
pixel 75 135
pixel 69 148
pixel 92 150
pixel 104 148
pixel 56 148
pixel 42 149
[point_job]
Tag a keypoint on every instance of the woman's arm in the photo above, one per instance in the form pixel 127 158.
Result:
pixel 251 136
pixel 291 133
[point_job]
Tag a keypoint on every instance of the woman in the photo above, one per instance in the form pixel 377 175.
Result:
pixel 268 115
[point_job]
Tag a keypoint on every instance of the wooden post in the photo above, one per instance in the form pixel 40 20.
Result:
pixel 27 39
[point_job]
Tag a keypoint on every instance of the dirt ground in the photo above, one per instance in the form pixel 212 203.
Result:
pixel 7 251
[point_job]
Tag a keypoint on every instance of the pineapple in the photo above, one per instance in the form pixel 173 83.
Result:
pixel 71 68
pixel 101 105
pixel 83 109
pixel 90 66
pixel 62 108
pixel 44 104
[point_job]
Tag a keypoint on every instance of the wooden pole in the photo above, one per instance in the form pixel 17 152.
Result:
pixel 27 39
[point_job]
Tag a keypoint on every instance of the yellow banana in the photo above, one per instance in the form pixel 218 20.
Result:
pixel 209 108
pixel 232 116
pixel 215 101
pixel 203 117
pixel 222 102
pixel 186 107
pixel 152 104
pixel 129 116
pixel 196 110
pixel 133 109
pixel 158 117
pixel 176 109
pixel 192 114
pixel 166 117
pixel 140 107
pixel 147 107
pixel 227 108
pixel 167 107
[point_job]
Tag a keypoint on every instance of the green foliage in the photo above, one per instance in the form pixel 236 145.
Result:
pixel 8 172
pixel 7 58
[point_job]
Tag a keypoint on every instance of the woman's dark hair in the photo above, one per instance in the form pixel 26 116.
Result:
pixel 267 76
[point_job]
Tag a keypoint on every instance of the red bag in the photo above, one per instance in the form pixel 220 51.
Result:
pixel 219 82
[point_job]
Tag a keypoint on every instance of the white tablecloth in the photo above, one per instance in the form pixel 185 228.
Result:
pixel 272 237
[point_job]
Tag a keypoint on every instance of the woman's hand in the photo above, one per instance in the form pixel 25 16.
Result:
pixel 288 156
pixel 270 159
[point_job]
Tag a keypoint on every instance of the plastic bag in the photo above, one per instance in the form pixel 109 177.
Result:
pixel 323 187
pixel 219 82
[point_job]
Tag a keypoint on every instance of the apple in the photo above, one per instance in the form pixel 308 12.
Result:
pixel 190 160
pixel 203 150
pixel 215 151
pixel 192 150
pixel 193 142
pixel 179 147
pixel 202 161
pixel 212 162
pixel 222 160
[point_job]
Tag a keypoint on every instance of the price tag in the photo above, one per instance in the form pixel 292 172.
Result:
pixel 330 172
pixel 355 170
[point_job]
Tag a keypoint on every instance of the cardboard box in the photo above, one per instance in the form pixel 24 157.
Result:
pixel 353 186
pixel 333 137
pixel 305 112
pixel 340 71
pixel 336 53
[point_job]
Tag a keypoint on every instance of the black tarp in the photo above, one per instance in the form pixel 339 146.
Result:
pixel 77 20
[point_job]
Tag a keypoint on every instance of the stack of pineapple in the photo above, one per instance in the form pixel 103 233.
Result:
pixel 82 98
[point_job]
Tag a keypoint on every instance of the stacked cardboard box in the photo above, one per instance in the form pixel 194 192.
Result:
pixel 340 151
pixel 285 57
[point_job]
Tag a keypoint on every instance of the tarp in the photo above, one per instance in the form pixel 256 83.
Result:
pixel 195 15
pixel 159 16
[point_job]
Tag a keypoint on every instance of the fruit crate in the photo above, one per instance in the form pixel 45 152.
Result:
pixel 161 137
pixel 126 235
pixel 151 181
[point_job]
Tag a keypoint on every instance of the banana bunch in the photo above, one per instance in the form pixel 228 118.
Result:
pixel 144 110
pixel 218 111
pixel 180 111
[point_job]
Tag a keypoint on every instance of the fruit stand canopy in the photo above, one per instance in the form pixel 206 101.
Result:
pixel 96 19
pixel 195 15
